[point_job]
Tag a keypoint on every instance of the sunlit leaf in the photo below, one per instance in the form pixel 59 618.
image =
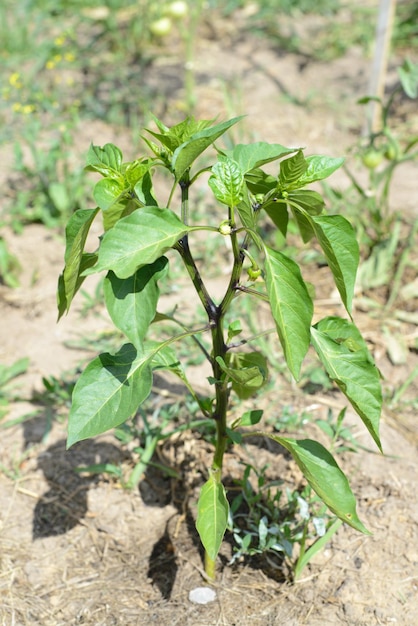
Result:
pixel 212 515
pixel 227 182
pixel 254 155
pixel 325 476
pixel 75 261
pixel 345 356
pixel 132 302
pixel 188 152
pixel 139 239
pixel 107 160
pixel 338 241
pixel 291 307
pixel 108 392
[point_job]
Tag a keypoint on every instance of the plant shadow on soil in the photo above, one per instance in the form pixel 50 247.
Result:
pixel 65 504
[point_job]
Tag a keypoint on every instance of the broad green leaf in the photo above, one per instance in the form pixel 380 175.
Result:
pixel 76 234
pixel 188 152
pixel 338 241
pixel 277 212
pixel 227 182
pixel 347 361
pixel 291 170
pixel 291 307
pixel 108 392
pixel 258 182
pixel 132 302
pixel 319 167
pixel 137 240
pixel 304 224
pixel 254 155
pixel 107 160
pixel 108 191
pixel 247 371
pixel 212 516
pixel 145 191
pixel 246 213
pixel 325 477
pixel 310 201
pixel 249 418
pixel 123 208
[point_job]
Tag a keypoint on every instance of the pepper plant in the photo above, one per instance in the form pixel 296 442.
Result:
pixel 140 229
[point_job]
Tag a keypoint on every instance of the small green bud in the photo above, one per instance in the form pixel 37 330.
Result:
pixel 225 228
pixel 253 273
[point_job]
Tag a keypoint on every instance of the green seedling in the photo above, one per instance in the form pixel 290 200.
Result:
pixel 143 233
pixel 260 522
pixel 7 375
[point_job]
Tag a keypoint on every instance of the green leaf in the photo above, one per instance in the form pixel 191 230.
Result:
pixel 338 241
pixel 310 201
pixel 75 262
pixel 188 152
pixel 291 170
pixel 249 418
pixel 408 75
pixel 254 155
pixel 304 224
pixel 107 160
pixel 108 191
pixel 227 182
pixel 345 356
pixel 258 182
pixel 319 167
pixel 108 392
pixel 291 307
pixel 246 213
pixel 325 477
pixel 212 516
pixel 277 212
pixel 132 302
pixel 138 239
pixel 247 371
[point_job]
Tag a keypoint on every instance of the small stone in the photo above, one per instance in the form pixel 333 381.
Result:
pixel 202 595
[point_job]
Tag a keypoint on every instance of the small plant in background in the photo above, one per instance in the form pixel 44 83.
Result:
pixel 7 375
pixel 267 519
pixel 384 247
pixel 142 234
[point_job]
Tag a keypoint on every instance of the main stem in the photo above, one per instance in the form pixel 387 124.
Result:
pixel 216 314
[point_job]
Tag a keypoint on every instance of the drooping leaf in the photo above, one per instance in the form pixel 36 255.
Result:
pixel 108 392
pixel 319 167
pixel 107 160
pixel 76 234
pixel 132 302
pixel 188 152
pixel 347 361
pixel 227 182
pixel 338 241
pixel 139 239
pixel 277 212
pixel 310 201
pixel 254 155
pixel 108 191
pixel 247 371
pixel 246 213
pixel 304 223
pixel 212 515
pixel 291 307
pixel 325 477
